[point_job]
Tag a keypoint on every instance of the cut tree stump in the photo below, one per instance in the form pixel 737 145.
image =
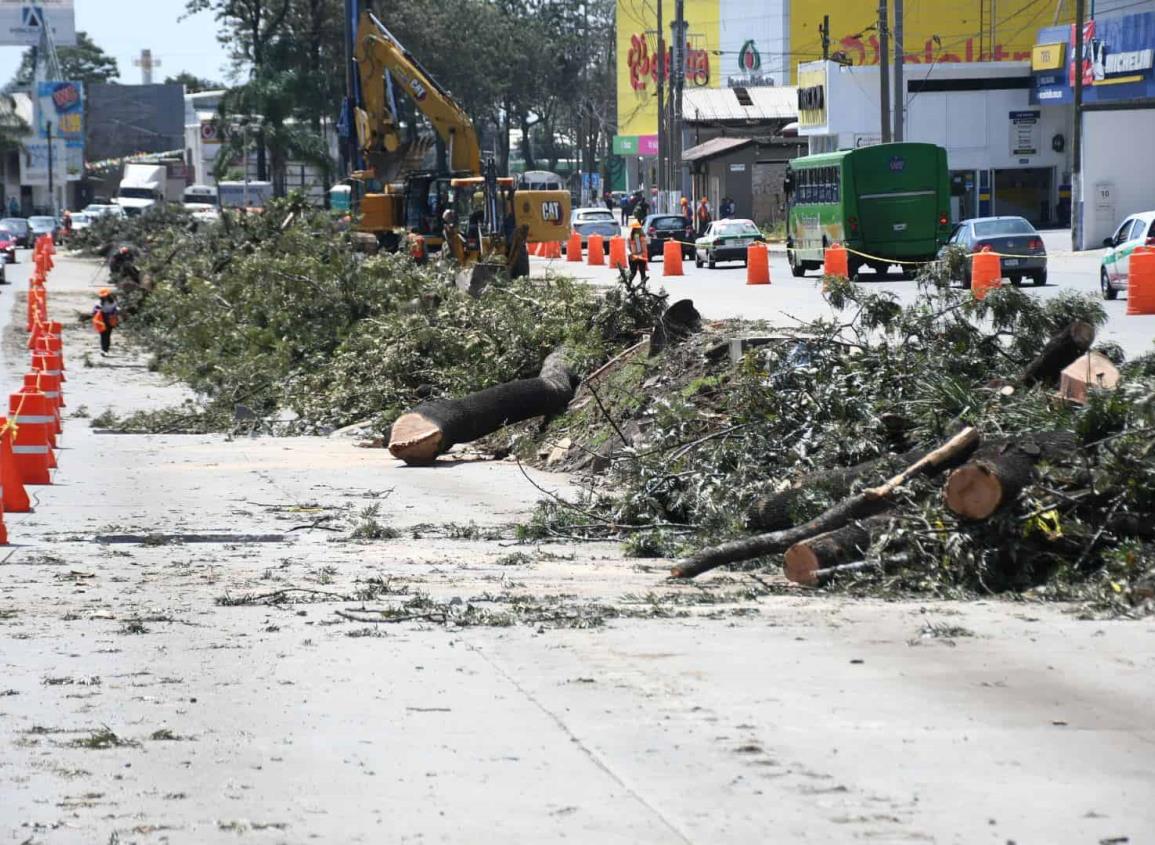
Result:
pixel 869 502
pixel 997 473
pixel 1093 371
pixel 804 560
pixel 1061 350
pixel 431 428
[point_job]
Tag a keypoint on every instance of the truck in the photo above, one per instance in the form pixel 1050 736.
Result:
pixel 144 186
pixel 244 195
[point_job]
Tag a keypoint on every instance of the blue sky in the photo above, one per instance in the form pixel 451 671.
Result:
pixel 124 27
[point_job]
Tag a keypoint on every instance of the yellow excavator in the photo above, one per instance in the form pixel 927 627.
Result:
pixel 485 219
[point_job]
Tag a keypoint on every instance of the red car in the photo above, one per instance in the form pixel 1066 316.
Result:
pixel 8 246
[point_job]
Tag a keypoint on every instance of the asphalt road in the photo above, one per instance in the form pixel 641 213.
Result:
pixel 722 293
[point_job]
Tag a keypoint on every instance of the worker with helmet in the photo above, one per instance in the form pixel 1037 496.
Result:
pixel 639 252
pixel 105 318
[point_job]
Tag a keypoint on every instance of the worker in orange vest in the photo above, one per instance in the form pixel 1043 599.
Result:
pixel 703 217
pixel 639 252
pixel 105 318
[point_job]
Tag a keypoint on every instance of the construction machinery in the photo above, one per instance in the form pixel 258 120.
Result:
pixel 486 219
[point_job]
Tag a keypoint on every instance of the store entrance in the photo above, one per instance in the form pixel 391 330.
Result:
pixel 1025 192
pixel 964 195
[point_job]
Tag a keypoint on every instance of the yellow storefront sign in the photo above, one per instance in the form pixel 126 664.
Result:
pixel 933 33
pixel 1048 56
pixel 637 83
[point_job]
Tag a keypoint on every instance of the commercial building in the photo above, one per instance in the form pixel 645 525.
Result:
pixel 1006 155
pixel 1118 68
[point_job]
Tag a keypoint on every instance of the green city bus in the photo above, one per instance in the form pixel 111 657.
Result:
pixel 888 203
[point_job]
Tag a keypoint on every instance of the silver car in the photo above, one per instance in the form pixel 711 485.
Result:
pixel 595 221
pixel 1016 240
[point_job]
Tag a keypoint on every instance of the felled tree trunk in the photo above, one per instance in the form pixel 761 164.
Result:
pixel 804 560
pixel 998 472
pixel 422 434
pixel 869 502
pixel 1060 351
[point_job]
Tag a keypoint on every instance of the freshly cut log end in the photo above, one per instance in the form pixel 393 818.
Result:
pixel 415 439
pixel 801 565
pixel 807 560
pixel 974 491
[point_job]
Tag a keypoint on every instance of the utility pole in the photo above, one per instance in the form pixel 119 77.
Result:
pixel 661 170
pixel 1077 140
pixel 899 84
pixel 349 148
pixel 884 71
pixel 678 79
pixel 51 179
pixel 824 30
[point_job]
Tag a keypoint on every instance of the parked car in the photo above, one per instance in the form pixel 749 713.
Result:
pixel 103 210
pixel 1114 271
pixel 726 240
pixel 1014 237
pixel 19 227
pixel 81 221
pixel 44 226
pixel 8 245
pixel 595 221
pixel 663 227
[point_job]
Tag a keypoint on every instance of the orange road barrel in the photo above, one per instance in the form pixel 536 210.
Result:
pixel 618 252
pixel 30 407
pixel 672 259
pixel 595 251
pixel 986 272
pixel 1141 281
pixel 573 248
pixel 837 261
pixel 15 497
pixel 39 381
pixel 757 264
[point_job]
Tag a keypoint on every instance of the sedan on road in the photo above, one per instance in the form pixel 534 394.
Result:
pixel 1015 239
pixel 19 227
pixel 8 245
pixel 44 226
pixel 595 221
pixel 665 227
pixel 1114 271
pixel 726 240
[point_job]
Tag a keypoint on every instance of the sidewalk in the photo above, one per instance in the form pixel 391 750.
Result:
pixel 173 667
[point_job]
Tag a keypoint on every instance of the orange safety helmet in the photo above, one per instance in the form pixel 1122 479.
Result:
pixel 104 293
pixel 635 224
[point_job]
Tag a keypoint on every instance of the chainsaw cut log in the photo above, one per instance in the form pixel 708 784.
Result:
pixel 998 472
pixel 430 429
pixel 1093 371
pixel 869 502
pixel 804 560
pixel 1061 350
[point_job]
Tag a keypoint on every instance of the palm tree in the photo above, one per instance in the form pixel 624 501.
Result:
pixel 264 110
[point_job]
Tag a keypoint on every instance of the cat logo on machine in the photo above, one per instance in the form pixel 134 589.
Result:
pixel 551 211
pixel 419 91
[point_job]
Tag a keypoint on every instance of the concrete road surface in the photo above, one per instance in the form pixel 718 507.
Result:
pixel 175 666
pixel 722 293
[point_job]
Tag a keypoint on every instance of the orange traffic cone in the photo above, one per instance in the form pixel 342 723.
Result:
pixel 595 251
pixel 672 259
pixel 573 249
pixel 31 408
pixel 15 497
pixel 618 258
pixel 757 264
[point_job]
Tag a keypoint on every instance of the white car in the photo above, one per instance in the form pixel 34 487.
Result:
pixel 1137 230
pixel 81 221
pixel 102 210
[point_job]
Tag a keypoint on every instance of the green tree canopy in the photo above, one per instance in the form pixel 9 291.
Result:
pixel 193 84
pixel 86 62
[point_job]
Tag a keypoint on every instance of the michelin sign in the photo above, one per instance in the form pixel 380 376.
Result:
pixel 23 22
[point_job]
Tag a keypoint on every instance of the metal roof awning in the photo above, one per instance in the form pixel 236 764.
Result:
pixel 767 103
pixel 715 147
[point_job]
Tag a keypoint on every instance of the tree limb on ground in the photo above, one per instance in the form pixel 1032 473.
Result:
pixel 1063 348
pixel 869 502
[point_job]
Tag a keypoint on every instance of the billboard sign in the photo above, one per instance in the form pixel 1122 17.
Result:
pixel 34 164
pixel 62 105
pixel 1118 61
pixel 23 22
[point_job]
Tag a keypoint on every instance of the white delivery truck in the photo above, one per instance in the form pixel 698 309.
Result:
pixel 244 194
pixel 201 200
pixel 142 187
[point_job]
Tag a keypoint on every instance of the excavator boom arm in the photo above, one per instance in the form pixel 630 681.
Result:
pixel 378 52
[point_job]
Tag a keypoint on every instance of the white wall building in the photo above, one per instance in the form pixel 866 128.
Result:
pixel 1005 155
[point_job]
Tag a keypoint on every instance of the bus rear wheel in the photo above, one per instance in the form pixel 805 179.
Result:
pixel 797 268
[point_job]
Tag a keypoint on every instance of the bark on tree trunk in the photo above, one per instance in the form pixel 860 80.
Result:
pixel 422 434
pixel 805 559
pixel 998 472
pixel 867 503
pixel 1060 351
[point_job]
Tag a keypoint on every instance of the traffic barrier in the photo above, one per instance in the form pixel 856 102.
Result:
pixel 595 251
pixel 50 375
pixel 836 261
pixel 555 249
pixel 53 345
pixel 37 307
pixel 672 259
pixel 1141 281
pixel 757 264
pixel 986 273
pixel 573 249
pixel 39 381
pixel 54 361
pixel 15 497
pixel 31 407
pixel 42 328
pixel 618 259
